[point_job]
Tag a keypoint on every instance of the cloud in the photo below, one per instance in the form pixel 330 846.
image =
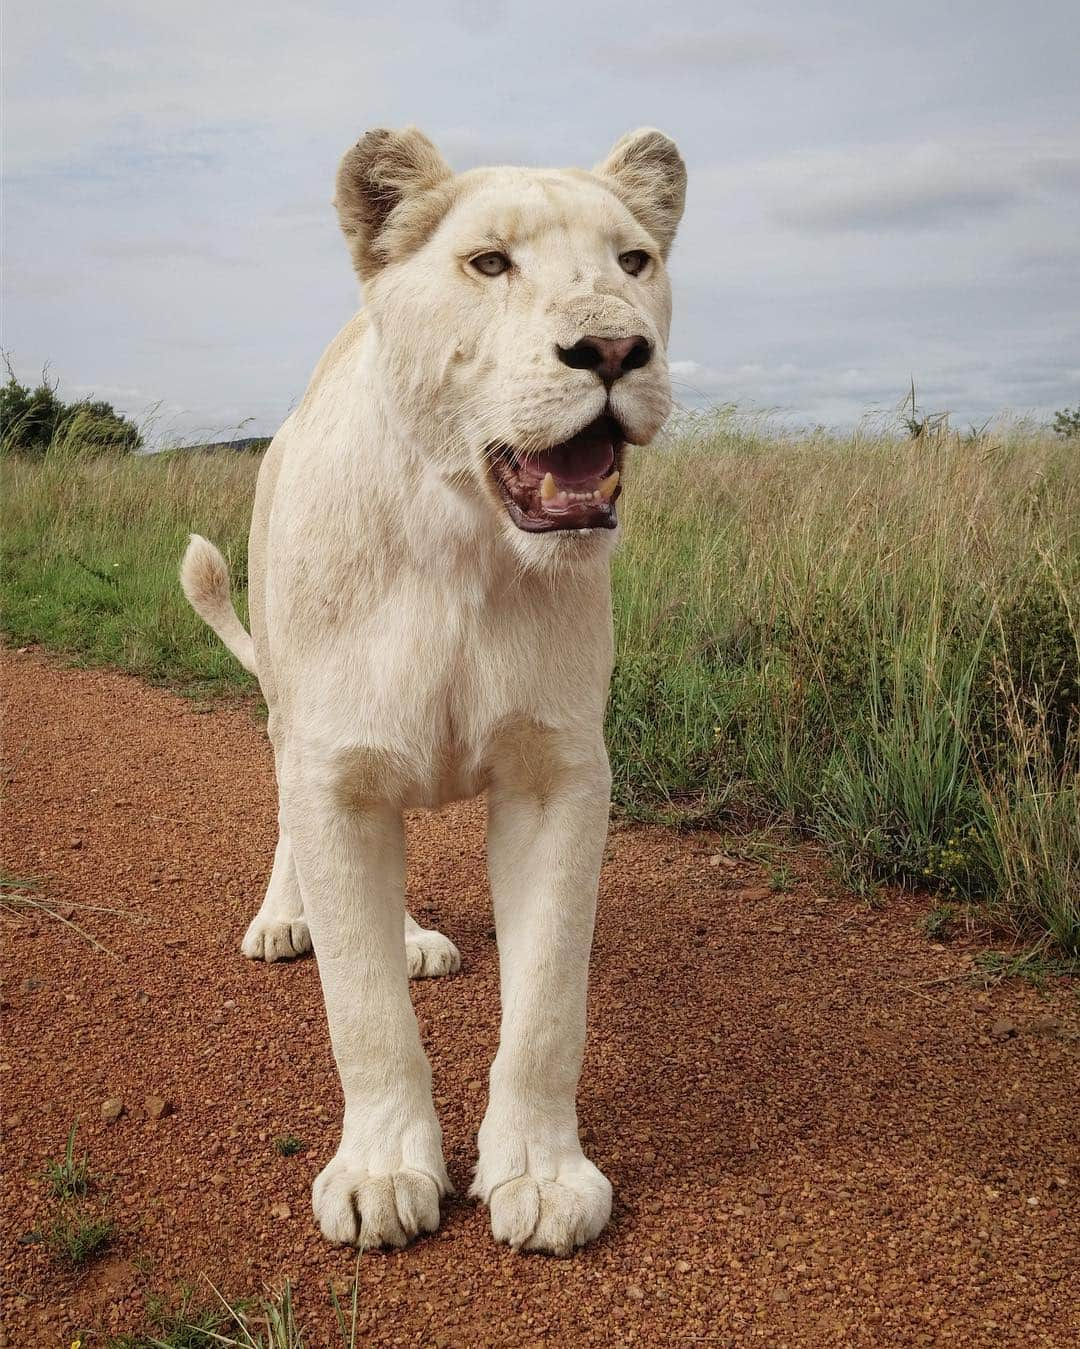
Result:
pixel 166 250
pixel 793 392
pixel 888 187
pixel 862 204
pixel 463 148
pixel 705 50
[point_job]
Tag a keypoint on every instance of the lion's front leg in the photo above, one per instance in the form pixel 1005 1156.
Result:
pixel 384 1184
pixel 546 832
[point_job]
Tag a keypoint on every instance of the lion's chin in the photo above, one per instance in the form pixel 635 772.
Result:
pixel 570 486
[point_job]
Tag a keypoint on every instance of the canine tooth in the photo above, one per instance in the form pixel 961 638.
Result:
pixel 607 487
pixel 548 489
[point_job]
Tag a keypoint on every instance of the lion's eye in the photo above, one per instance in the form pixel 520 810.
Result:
pixel 634 262
pixel 491 264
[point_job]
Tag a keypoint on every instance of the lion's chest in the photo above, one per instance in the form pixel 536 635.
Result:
pixel 432 679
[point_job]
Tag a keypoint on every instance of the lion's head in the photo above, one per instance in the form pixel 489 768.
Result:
pixel 521 316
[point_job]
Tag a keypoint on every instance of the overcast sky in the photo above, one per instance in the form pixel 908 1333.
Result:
pixel 876 189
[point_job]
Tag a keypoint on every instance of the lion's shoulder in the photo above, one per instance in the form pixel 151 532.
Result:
pixel 343 346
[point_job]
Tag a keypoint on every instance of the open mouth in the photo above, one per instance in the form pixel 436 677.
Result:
pixel 570 486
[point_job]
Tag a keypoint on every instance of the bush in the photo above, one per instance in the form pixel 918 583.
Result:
pixel 1067 423
pixel 36 422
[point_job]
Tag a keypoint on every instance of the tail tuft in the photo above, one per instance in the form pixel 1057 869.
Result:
pixel 205 579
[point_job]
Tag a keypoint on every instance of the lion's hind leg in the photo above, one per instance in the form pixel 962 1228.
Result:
pixel 428 953
pixel 279 931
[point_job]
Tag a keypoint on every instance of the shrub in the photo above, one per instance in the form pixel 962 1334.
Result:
pixel 1067 423
pixel 37 422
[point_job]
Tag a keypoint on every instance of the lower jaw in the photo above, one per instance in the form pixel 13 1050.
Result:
pixel 571 521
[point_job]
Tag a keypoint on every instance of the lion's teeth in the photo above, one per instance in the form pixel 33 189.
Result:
pixel 548 490
pixel 607 487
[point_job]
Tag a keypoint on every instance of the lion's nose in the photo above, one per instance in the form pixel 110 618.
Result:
pixel 609 357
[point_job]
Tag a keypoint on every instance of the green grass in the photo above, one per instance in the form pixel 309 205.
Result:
pixel 68 1178
pixel 938 923
pixel 91 554
pixel 872 640
pixel 1035 966
pixel 210 1320
pixel 78 1226
pixel 76 1233
pixel 288 1145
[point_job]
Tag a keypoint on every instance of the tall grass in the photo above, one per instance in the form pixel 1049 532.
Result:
pixel 873 639
pixel 91 550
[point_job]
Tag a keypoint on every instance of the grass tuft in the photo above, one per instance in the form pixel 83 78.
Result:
pixel 1035 967
pixel 938 923
pixel 68 1178
pixel 76 1233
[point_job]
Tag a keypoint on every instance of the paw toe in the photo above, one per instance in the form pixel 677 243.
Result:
pixel 551 1216
pixel 276 939
pixel 429 954
pixel 355 1208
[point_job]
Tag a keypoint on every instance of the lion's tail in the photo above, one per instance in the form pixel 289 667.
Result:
pixel 205 578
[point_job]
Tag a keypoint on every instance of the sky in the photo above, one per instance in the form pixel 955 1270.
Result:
pixel 876 191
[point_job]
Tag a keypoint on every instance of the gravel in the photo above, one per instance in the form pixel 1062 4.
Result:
pixel 818 1131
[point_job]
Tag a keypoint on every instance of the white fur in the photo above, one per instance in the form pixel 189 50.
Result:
pixel 414 647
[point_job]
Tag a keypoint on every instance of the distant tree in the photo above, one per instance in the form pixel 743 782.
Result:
pixel 1067 423
pixel 34 422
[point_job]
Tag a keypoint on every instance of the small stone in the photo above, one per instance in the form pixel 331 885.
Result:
pixel 230 1003
pixel 723 859
pixel 635 1292
pixel 781 1295
pixel 682 1266
pixel 281 1211
pixel 1046 1025
pixel 157 1107
pixel 1002 1029
pixel 75 844
pixel 111 1109
pixel 32 985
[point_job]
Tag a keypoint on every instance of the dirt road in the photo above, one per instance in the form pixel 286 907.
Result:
pixel 819 1129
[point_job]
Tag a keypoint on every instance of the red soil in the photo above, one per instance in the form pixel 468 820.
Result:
pixel 819 1130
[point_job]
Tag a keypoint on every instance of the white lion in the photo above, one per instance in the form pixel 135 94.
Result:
pixel 430 619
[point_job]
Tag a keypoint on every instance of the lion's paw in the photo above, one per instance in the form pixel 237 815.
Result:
pixel 276 939
pixel 429 954
pixel 553 1215
pixel 356 1208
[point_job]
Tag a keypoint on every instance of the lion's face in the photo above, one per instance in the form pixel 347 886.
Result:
pixel 522 320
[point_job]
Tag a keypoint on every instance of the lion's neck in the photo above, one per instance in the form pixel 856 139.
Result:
pixel 409 504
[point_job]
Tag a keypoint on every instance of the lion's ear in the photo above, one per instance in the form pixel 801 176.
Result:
pixel 385 170
pixel 646 171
